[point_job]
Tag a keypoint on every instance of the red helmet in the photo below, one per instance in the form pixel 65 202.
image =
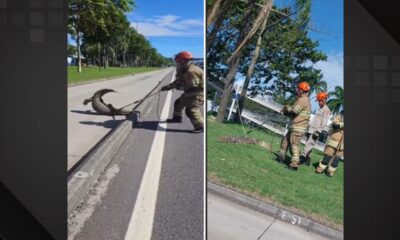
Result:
pixel 304 86
pixel 322 96
pixel 183 56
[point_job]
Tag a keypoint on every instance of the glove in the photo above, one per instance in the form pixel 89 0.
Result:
pixel 315 135
pixel 165 88
pixel 284 110
pixel 335 125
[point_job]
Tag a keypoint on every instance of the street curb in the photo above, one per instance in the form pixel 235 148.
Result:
pixel 82 177
pixel 109 78
pixel 276 212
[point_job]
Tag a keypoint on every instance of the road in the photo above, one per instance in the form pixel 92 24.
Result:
pixel 229 221
pixel 154 186
pixel 85 129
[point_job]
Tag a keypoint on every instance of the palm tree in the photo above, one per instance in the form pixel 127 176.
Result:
pixel 336 101
pixel 318 85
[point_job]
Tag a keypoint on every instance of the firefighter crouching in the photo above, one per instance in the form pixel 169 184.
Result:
pixel 299 114
pixel 316 127
pixel 334 147
pixel 189 78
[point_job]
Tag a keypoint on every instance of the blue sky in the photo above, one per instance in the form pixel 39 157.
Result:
pixel 171 26
pixel 326 26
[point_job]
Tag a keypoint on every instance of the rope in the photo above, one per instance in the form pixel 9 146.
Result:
pixel 140 100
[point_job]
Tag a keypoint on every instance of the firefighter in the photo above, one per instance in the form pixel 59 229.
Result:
pixel 188 78
pixel 316 127
pixel 334 147
pixel 299 114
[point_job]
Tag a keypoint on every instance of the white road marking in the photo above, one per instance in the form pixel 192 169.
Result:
pixel 141 223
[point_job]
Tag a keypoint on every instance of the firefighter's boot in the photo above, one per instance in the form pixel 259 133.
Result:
pixel 321 167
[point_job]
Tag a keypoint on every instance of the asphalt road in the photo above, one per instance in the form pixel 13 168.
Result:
pixel 85 127
pixel 229 221
pixel 153 188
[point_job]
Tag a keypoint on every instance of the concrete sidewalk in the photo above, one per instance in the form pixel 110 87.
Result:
pixel 256 209
pixel 228 220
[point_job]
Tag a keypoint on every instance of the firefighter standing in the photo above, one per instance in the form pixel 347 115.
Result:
pixel 317 125
pixel 189 78
pixel 334 147
pixel 300 115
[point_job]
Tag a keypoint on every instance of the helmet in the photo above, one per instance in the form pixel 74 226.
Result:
pixel 322 96
pixel 183 56
pixel 304 86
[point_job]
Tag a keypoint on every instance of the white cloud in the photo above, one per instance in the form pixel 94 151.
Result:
pixel 332 70
pixel 169 25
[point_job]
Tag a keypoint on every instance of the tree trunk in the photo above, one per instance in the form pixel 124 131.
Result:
pixel 212 14
pixel 226 94
pixel 217 19
pixel 115 56
pixel 262 15
pixel 250 71
pixel 104 57
pixel 78 50
pixel 124 59
pixel 99 53
pixel 234 63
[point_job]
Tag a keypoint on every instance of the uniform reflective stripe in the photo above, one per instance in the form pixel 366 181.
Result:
pixel 296 109
pixel 196 82
pixel 331 169
pixel 321 165
pixel 298 129
pixel 305 114
pixel 331 143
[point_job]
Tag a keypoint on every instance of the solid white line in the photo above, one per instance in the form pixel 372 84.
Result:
pixel 141 223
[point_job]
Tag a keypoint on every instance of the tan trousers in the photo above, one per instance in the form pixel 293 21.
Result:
pixel 293 139
pixel 192 106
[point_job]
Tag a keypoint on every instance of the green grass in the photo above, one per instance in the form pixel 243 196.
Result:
pixel 92 73
pixel 251 169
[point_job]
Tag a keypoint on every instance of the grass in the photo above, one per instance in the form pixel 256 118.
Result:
pixel 92 73
pixel 252 170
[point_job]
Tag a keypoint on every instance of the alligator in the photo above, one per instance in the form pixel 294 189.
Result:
pixel 103 108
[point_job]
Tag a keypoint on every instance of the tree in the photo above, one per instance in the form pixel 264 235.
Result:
pixel 254 59
pixel 217 12
pixel 302 19
pixel 234 63
pixel 287 57
pixel 71 50
pixel 286 54
pixel 83 15
pixel 336 100
pixel 317 85
pixel 95 22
